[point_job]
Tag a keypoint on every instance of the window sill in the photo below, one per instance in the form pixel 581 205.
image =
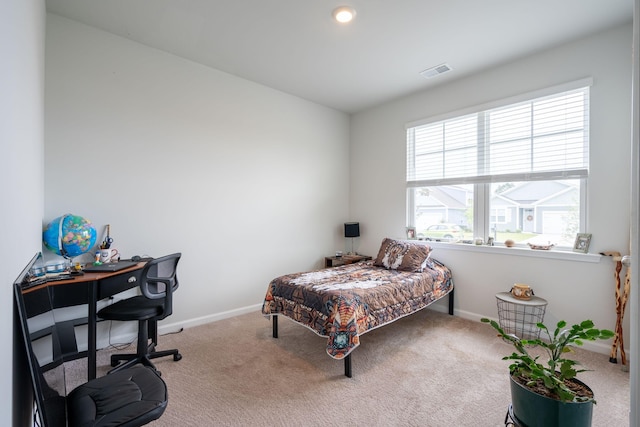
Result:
pixel 516 251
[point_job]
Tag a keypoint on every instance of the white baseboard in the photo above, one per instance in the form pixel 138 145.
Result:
pixel 595 346
pixel 173 327
pixel 127 332
pixel 165 328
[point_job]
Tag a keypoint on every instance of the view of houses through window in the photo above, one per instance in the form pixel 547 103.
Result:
pixel 538 212
pixel 515 171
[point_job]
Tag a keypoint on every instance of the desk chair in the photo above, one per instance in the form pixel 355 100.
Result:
pixel 157 283
pixel 131 397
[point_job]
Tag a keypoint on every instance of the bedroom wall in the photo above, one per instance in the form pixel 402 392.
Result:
pixel 22 29
pixel 575 290
pixel 249 183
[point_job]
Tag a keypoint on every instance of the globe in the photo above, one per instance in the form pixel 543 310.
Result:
pixel 69 235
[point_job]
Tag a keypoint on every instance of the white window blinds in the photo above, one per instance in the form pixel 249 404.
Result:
pixel 538 139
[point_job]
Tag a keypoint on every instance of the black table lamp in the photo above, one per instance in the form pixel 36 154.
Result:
pixel 351 230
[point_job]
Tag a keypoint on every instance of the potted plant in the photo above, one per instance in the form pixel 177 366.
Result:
pixel 548 393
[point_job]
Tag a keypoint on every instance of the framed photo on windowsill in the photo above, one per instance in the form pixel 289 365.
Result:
pixel 582 243
pixel 411 233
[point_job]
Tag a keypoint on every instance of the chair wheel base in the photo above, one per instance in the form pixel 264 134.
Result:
pixel 177 357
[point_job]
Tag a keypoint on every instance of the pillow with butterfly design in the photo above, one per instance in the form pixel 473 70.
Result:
pixel 402 256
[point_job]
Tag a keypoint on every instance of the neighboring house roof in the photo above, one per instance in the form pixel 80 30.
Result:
pixel 538 193
pixel 561 198
pixel 453 197
pixel 500 200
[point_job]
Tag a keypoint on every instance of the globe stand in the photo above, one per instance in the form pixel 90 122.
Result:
pixel 68 262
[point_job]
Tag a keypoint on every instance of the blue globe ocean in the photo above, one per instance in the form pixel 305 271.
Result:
pixel 69 235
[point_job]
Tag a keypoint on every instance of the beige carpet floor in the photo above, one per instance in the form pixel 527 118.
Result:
pixel 428 369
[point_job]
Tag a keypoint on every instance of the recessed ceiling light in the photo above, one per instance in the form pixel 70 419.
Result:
pixel 344 14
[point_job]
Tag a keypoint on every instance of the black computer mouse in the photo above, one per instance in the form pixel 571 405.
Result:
pixel 136 258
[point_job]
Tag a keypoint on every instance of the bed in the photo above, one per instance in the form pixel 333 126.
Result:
pixel 343 303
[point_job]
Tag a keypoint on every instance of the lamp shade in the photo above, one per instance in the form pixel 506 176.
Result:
pixel 351 229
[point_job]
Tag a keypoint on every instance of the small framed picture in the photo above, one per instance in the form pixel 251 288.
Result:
pixel 582 243
pixel 411 233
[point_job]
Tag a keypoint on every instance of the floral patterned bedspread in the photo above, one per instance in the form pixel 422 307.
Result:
pixel 345 302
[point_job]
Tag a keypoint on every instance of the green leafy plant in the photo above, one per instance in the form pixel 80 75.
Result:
pixel 558 370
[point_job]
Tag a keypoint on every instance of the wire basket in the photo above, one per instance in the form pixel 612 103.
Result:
pixel 519 317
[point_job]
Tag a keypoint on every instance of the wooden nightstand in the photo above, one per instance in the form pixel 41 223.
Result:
pixel 332 261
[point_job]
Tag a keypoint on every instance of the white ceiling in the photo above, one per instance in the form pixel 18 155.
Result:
pixel 295 46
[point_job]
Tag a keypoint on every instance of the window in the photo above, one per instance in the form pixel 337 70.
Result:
pixel 499 215
pixel 516 169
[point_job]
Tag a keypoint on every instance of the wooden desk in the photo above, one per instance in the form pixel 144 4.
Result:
pixel 90 288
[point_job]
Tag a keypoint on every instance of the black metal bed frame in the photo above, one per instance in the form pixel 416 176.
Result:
pixel 347 359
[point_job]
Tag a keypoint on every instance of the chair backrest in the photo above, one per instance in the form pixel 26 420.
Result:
pixel 48 344
pixel 159 280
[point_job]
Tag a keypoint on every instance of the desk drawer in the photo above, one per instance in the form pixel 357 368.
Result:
pixel 116 284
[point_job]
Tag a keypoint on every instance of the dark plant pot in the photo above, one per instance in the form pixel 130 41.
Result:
pixel 534 410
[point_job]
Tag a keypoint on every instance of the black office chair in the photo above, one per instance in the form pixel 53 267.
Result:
pixel 157 283
pixel 130 397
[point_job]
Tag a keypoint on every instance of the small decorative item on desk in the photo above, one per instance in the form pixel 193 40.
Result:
pixel 338 254
pixel 76 269
pixel 56 266
pixel 38 271
pixel 108 240
pixel 109 255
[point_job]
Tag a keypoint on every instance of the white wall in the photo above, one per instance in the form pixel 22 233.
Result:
pixel 247 182
pixel 575 290
pixel 22 26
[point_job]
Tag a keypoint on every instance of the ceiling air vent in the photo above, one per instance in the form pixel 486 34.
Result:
pixel 435 71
